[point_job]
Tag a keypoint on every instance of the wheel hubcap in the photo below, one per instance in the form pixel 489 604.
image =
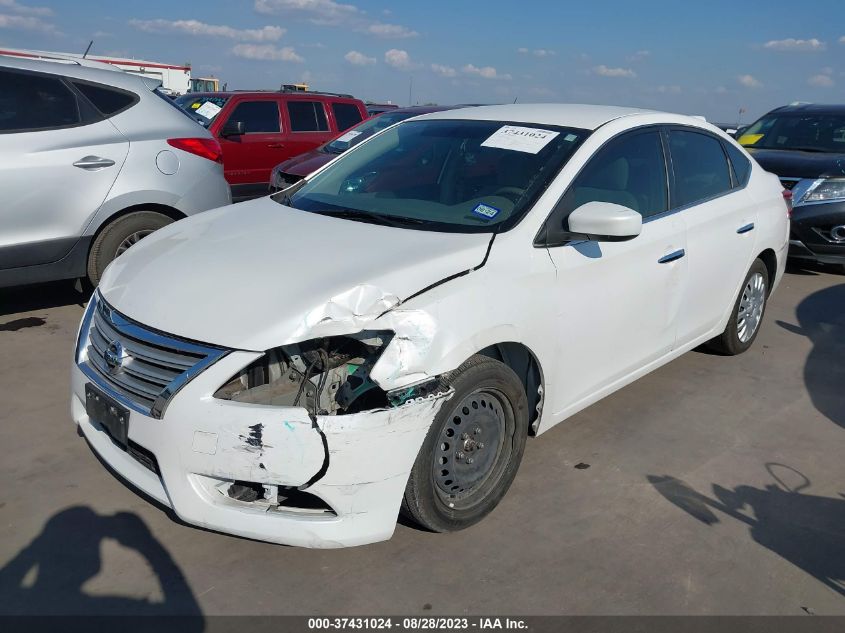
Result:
pixel 751 307
pixel 469 445
pixel 131 240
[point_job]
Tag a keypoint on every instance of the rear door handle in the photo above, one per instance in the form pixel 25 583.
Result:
pixel 93 162
pixel 276 145
pixel 671 257
pixel 746 228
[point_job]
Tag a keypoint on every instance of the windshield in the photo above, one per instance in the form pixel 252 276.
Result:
pixel 365 130
pixel 807 132
pixel 441 175
pixel 202 108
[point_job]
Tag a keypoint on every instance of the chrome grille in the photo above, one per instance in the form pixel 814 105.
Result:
pixel 140 367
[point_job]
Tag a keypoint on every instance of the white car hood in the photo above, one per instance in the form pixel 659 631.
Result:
pixel 256 275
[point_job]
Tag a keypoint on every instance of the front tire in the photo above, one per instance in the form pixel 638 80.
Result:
pixel 120 235
pixel 473 449
pixel 747 315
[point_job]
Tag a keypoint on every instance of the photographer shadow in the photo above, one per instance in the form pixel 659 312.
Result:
pixel 46 577
pixel 806 530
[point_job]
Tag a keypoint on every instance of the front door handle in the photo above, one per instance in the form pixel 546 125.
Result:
pixel 746 228
pixel 276 145
pixel 93 163
pixel 671 257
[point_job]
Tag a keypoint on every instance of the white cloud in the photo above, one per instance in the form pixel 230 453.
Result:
pixel 359 59
pixel 16 7
pixel 332 13
pixel 842 40
pixel 316 11
pixel 671 90
pixel 396 31
pixel 821 81
pixel 487 72
pixel 444 71
pixel 605 71
pixel 721 90
pixel 266 52
pixel 749 81
pixel 25 23
pixel 792 44
pixel 399 59
pixel 537 52
pixel 639 56
pixel 194 27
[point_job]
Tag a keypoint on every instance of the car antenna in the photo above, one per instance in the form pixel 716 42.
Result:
pixel 90 44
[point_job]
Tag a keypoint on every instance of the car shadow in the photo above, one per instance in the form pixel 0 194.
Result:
pixel 821 318
pixel 806 530
pixel 41 296
pixel 46 577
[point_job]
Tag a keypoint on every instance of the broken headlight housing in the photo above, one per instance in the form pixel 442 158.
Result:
pixel 327 376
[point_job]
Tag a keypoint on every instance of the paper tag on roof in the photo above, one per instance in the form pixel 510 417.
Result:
pixel 208 110
pixel 520 139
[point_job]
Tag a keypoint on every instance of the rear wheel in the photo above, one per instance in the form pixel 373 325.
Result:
pixel 120 235
pixel 473 448
pixel 744 323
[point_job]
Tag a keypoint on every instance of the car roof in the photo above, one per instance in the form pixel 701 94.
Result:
pixel 420 109
pixel 273 93
pixel 811 108
pixel 102 73
pixel 582 116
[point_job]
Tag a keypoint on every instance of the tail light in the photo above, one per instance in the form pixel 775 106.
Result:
pixel 787 196
pixel 204 147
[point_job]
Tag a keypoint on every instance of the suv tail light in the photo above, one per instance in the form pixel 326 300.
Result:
pixel 787 196
pixel 204 147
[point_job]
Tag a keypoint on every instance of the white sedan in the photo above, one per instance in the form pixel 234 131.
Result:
pixel 385 335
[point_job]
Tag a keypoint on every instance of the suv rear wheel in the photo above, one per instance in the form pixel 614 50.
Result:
pixel 118 236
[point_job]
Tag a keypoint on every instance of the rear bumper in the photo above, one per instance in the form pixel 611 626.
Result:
pixel 356 464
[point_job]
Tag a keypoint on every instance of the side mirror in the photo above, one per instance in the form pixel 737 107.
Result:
pixel 740 131
pixel 605 222
pixel 233 128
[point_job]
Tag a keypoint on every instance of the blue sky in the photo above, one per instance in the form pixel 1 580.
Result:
pixel 697 58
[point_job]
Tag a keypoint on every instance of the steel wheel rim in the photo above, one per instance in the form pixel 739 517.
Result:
pixel 751 306
pixel 473 448
pixel 131 240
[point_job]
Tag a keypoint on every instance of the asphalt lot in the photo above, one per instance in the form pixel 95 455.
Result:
pixel 715 485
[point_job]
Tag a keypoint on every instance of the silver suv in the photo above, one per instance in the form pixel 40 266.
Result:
pixel 91 161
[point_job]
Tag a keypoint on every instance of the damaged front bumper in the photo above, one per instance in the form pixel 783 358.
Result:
pixel 356 465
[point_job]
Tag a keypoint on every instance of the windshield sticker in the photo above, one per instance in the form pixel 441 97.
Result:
pixel 520 139
pixel 208 110
pixel 348 136
pixel 196 105
pixel 570 137
pixel 485 210
pixel 749 139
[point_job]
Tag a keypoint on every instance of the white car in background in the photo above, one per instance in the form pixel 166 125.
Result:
pixel 92 159
pixel 386 333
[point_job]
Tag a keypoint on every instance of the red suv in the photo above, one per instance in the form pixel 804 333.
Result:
pixel 258 130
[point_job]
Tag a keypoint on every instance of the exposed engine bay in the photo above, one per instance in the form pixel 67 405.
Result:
pixel 327 376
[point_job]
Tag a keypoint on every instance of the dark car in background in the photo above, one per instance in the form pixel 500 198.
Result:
pixel 295 169
pixel 259 129
pixel 377 108
pixel 805 146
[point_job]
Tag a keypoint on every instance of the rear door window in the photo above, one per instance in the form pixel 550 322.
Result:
pixel 259 117
pixel 31 102
pixel 700 167
pixel 346 115
pixel 109 101
pixel 740 163
pixel 307 116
